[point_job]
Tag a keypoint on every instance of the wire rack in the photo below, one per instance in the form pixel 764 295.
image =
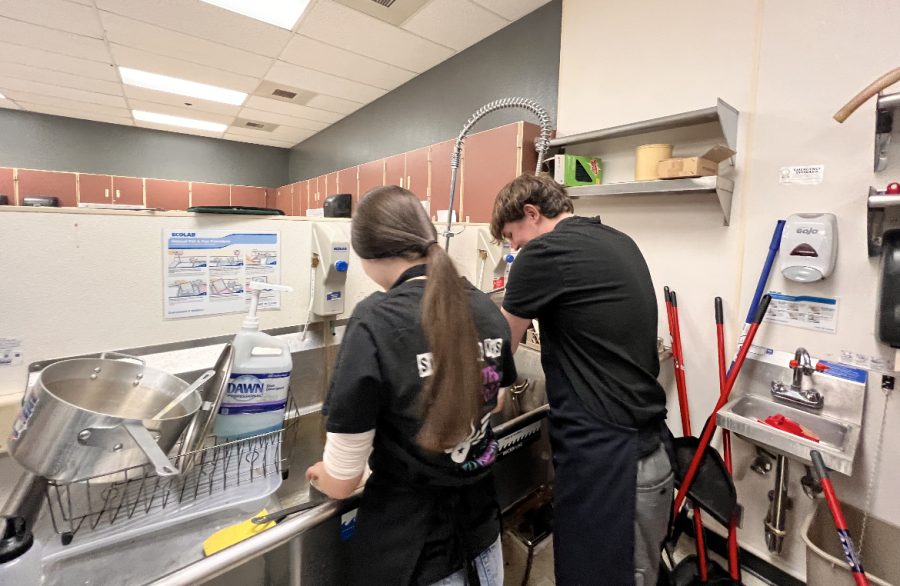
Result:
pixel 224 474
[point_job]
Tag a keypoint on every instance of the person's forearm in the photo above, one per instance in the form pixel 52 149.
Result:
pixel 327 484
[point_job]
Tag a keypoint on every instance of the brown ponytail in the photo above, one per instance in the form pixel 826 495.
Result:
pixel 391 222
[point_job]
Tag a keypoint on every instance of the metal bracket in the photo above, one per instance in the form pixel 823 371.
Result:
pixel 883 215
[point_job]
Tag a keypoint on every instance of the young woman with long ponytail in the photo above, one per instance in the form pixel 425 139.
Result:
pixel 417 377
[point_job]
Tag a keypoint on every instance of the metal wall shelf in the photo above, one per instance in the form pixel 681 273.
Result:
pixel 722 112
pixel 723 189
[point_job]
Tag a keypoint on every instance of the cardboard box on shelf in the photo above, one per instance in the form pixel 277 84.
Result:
pixel 700 166
pixel 573 170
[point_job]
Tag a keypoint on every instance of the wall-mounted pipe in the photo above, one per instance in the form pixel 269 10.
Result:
pixel 541 143
pixel 888 79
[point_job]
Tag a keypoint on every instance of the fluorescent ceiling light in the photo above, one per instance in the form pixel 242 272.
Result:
pixel 2 97
pixel 178 121
pixel 281 13
pixel 182 87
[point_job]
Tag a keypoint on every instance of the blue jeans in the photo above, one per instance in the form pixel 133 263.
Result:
pixel 489 564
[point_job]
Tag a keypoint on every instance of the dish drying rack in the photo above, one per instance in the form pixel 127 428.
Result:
pixel 135 501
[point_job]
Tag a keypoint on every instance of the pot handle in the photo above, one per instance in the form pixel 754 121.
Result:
pixel 103 355
pixel 151 449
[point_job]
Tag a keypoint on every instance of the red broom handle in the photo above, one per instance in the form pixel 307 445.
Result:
pixel 840 523
pixel 710 428
pixel 734 567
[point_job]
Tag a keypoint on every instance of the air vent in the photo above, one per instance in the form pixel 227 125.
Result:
pixel 284 94
pixel 254 125
pixel 394 12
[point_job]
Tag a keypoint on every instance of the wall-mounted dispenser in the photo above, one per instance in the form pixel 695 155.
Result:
pixel 331 244
pixel 493 262
pixel 809 247
pixel 889 302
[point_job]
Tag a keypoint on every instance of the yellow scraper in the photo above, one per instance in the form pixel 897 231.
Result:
pixel 235 534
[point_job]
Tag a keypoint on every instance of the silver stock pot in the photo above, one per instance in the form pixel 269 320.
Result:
pixel 88 417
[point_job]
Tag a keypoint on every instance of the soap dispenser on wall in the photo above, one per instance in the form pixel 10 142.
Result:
pixel 809 247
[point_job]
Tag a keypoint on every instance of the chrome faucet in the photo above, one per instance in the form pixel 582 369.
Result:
pixel 795 393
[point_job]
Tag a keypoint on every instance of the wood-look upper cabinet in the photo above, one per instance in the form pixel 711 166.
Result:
pixel 243 195
pixel 95 188
pixel 8 184
pixel 128 190
pixel 204 194
pixel 52 183
pixel 348 181
pixel 300 197
pixel 417 172
pixel 168 195
pixel 395 170
pixel 491 160
pixel 371 175
pixel 284 200
pixel 316 192
pixel 331 186
pixel 440 178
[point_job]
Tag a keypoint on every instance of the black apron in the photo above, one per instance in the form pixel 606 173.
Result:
pixel 594 488
pixel 413 523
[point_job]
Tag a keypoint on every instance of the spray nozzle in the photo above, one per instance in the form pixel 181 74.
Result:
pixel 251 322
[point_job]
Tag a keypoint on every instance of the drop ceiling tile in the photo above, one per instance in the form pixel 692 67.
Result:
pixel 322 83
pixel 138 59
pixel 142 94
pixel 178 129
pixel 39 37
pixel 295 110
pixel 56 14
pixel 344 27
pixel 282 133
pixel 9 104
pixel 58 78
pixel 324 57
pixel 8 85
pixel 333 104
pixel 454 23
pixel 80 114
pixel 251 114
pixel 26 100
pixel 32 57
pixel 133 33
pixel 258 140
pixel 512 9
pixel 182 111
pixel 205 21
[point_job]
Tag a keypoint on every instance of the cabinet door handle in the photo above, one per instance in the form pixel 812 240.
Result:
pixel 409 183
pixel 118 194
pixel 106 193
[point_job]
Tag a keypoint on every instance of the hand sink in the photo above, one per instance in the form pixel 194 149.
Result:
pixel 837 424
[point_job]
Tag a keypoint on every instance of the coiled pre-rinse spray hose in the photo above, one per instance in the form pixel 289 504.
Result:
pixel 541 143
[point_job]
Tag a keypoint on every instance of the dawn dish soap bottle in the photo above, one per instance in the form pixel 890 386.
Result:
pixel 257 392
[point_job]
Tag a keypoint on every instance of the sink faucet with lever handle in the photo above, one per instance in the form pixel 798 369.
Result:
pixel 795 393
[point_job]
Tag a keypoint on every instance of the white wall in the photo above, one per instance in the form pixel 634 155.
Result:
pixel 787 66
pixel 81 281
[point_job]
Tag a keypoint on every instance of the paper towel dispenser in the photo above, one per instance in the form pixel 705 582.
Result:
pixel 889 303
pixel 338 205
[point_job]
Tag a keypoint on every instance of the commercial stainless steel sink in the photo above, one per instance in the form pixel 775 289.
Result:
pixel 837 424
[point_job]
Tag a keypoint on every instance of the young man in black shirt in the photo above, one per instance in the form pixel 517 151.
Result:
pixel 590 290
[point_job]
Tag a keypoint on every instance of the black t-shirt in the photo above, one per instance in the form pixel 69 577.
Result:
pixel 590 289
pixel 381 369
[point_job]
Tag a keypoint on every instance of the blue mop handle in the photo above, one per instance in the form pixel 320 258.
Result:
pixel 767 268
pixel 774 245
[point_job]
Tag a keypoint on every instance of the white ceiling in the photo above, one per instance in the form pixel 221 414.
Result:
pixel 60 56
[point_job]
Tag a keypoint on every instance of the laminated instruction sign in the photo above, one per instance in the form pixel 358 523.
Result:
pixel 207 272
pixel 803 311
